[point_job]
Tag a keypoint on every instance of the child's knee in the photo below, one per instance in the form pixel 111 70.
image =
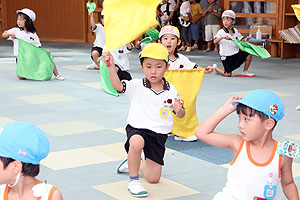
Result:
pixel 95 54
pixel 136 143
pixel 153 180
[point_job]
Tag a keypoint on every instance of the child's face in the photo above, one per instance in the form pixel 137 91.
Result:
pixel 154 69
pixel 164 1
pixel 228 22
pixel 21 21
pixel 252 128
pixel 170 42
pixel 212 1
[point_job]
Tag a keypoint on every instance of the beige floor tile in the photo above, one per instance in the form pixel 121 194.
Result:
pixel 71 127
pixel 4 120
pixel 165 189
pixel 120 130
pixel 75 158
pixel 116 150
pixel 294 137
pixel 96 85
pixel 46 98
pixel 76 67
pixel 280 94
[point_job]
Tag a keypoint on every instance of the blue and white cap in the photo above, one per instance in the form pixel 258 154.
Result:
pixel 264 101
pixel 24 142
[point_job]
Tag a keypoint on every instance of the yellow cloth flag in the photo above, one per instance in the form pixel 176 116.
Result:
pixel 297 10
pixel 126 20
pixel 187 83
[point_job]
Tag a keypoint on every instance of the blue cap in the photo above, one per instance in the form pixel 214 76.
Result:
pixel 24 142
pixel 264 101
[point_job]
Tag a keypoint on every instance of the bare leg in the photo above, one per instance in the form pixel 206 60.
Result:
pixel 96 55
pixel 247 62
pixel 209 43
pixel 134 154
pixel 151 170
pixel 55 71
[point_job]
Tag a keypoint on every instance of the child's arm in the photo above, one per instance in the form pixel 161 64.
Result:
pixel 114 78
pixel 217 40
pixel 205 131
pixel 57 195
pixel 92 20
pixel 287 182
pixel 217 14
pixel 177 107
pixel 169 18
pixel 7 34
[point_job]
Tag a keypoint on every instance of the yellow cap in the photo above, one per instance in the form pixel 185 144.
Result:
pixel 155 51
pixel 169 30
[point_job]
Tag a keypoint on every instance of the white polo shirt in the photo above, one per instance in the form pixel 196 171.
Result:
pixel 149 109
pixel 182 62
pixel 100 36
pixel 29 37
pixel 228 47
pixel 120 57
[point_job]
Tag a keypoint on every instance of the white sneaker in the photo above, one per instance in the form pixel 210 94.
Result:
pixel 207 50
pixel 189 139
pixel 195 47
pixel 298 108
pixel 59 77
pixel 123 167
pixel 136 189
pixel 246 73
pixel 92 66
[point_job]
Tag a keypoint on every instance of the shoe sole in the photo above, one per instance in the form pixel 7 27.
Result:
pixel 242 75
pixel 141 194
pixel 118 168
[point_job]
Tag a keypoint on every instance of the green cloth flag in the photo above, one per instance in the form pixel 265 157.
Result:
pixel 34 62
pixel 153 35
pixel 252 49
pixel 91 6
pixel 105 80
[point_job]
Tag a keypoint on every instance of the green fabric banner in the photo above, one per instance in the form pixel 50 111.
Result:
pixel 252 49
pixel 105 80
pixel 34 63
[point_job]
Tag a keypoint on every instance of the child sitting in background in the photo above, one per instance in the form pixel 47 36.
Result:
pixel 211 14
pixel 257 166
pixel 150 119
pixel 26 31
pixel 22 147
pixel 231 56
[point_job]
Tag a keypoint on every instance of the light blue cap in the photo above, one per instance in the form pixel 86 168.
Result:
pixel 264 101
pixel 24 142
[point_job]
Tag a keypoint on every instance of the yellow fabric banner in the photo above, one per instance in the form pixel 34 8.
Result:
pixel 297 10
pixel 126 20
pixel 187 83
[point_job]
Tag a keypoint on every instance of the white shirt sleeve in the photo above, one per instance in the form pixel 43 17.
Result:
pixel 130 87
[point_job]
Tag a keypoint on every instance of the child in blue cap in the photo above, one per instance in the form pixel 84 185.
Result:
pixel 22 147
pixel 260 162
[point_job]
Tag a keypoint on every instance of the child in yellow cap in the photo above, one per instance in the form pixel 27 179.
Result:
pixel 169 37
pixel 150 119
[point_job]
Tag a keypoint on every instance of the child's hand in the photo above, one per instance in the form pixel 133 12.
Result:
pixel 176 106
pixel 227 37
pixel 228 104
pixel 246 39
pixel 209 70
pixel 90 14
pixel 13 36
pixel 209 9
pixel 108 59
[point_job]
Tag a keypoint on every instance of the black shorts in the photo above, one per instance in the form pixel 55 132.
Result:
pixel 235 61
pixel 99 49
pixel 123 75
pixel 154 147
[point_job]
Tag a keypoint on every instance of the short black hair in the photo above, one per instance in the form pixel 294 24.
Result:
pixel 142 60
pixel 28 22
pixel 28 169
pixel 246 110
